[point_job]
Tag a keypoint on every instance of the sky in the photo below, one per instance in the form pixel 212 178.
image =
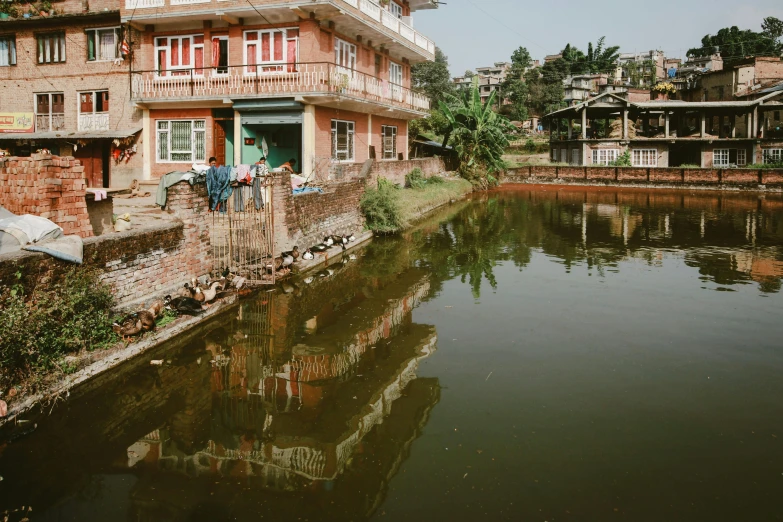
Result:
pixel 476 33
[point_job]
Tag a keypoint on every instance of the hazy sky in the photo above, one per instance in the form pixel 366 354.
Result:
pixel 475 33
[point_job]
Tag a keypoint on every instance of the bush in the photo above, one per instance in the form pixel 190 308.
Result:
pixel 37 331
pixel 381 207
pixel 530 146
pixel 435 180
pixel 764 166
pixel 623 160
pixel 415 179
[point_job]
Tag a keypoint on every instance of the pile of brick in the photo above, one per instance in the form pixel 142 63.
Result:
pixel 52 187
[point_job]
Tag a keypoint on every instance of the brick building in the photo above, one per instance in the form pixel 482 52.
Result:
pixel 64 87
pixel 320 81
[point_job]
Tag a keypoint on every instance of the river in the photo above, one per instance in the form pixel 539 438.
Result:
pixel 538 353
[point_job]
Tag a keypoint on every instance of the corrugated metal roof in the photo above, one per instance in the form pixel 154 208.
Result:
pixel 80 135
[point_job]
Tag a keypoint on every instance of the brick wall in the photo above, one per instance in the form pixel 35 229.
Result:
pixel 304 220
pixel 323 132
pixel 159 169
pixel 48 186
pixel 137 263
pixel 663 176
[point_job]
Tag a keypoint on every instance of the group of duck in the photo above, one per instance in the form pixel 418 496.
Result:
pixel 282 263
pixel 196 296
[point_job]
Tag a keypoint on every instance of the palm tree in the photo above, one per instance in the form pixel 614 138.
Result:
pixel 479 134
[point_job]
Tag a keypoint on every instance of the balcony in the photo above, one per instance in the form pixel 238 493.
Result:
pixel 96 121
pixel 395 32
pixel 317 83
pixel 50 122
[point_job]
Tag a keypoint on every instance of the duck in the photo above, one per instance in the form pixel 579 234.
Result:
pixel 292 253
pixel 325 273
pixel 288 260
pixel 195 292
pixel 320 248
pixel 156 308
pixel 275 265
pixel 134 324
pixel 352 237
pixel 211 292
pixel 308 255
pixel 328 241
pixel 183 305
pixel 309 280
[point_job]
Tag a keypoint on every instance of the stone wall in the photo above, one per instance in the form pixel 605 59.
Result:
pixel 750 178
pixel 393 170
pixel 48 186
pixel 138 264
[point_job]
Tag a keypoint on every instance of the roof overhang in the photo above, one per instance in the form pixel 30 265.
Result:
pixel 78 135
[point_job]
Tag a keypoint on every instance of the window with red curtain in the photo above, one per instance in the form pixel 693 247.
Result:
pixel 176 55
pixel 292 49
pixel 277 47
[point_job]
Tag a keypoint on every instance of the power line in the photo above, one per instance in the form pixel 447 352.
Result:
pixel 507 27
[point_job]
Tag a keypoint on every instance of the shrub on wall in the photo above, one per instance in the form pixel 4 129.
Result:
pixel 381 207
pixel 38 330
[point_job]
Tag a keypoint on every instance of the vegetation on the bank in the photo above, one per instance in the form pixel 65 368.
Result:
pixel 390 208
pixel 37 331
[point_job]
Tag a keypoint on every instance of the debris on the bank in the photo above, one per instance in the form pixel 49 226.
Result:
pixel 156 362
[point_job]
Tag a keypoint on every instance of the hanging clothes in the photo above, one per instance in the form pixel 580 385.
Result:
pixel 218 187
pixel 258 193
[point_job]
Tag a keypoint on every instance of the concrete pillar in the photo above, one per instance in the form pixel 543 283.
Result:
pixel 749 125
pixel 308 140
pixel 625 124
pixel 584 123
pixel 238 140
pixel 755 133
pixel 570 128
pixel 666 124
pixel 733 124
pixel 146 145
pixel 703 129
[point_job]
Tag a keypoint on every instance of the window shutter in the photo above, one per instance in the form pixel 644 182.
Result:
pixel 91 45
pixel 86 102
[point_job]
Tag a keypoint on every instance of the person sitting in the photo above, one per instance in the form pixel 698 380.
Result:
pixel 261 168
pixel 213 161
pixel 289 165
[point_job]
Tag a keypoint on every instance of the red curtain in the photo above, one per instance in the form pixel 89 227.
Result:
pixel 251 57
pixel 186 51
pixel 292 47
pixel 278 46
pixel 265 48
pixel 174 51
pixel 215 52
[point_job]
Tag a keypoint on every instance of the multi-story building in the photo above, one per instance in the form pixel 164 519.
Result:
pixel 318 81
pixel 741 79
pixel 489 79
pixel 664 133
pixel 64 87
pixel 641 69
pixel 579 88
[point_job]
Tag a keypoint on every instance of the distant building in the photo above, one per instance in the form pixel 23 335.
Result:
pixel 490 80
pixel 583 87
pixel 643 69
pixel 740 80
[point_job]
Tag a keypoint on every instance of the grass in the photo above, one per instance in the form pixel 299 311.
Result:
pixel 389 209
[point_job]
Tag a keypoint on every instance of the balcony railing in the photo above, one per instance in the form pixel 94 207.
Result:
pixel 49 122
pixel 369 7
pixel 276 79
pixel 97 121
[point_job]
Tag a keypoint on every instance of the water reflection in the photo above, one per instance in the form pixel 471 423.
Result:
pixel 311 393
pixel 730 238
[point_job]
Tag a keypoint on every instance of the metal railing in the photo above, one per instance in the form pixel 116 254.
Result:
pixel 97 121
pixel 272 79
pixel 54 121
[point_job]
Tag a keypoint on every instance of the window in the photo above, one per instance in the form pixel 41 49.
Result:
pixel 220 54
pixel 51 47
pixel 103 44
pixel 7 51
pixel 575 157
pixel 344 54
pixel 395 9
pixel 181 140
pixel 772 155
pixel 91 102
pixel 389 137
pixel 742 157
pixel 554 155
pixel 49 111
pixel 378 64
pixel 270 51
pixel 342 140
pixel 645 158
pixel 395 73
pixel 179 55
pixel 720 158
pixel 604 156
pixel 564 155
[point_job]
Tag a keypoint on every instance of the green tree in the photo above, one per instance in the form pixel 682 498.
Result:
pixel 545 87
pixel 772 27
pixel 734 44
pixel 514 87
pixel 479 134
pixel 433 78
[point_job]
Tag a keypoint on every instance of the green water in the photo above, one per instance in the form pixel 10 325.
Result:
pixel 535 355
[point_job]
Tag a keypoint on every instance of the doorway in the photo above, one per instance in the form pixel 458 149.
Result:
pixel 223 141
pixel 95 158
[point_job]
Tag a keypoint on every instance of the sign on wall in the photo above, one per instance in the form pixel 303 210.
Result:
pixel 16 122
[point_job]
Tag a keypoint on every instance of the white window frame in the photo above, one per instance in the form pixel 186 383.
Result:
pixel 554 155
pixel 95 33
pixel 222 38
pixel 395 9
pixel 644 157
pixel 574 156
pixel 50 54
pixel 742 157
pixel 772 155
pixel 605 156
pixel 350 129
pixel 270 66
pixel 163 131
pixel 345 51
pixel 720 157
pixel 389 154
pixel 10 53
pixel 395 73
pixel 171 69
pixel 94 101
pixel 51 114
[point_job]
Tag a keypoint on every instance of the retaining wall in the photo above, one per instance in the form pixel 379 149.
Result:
pixel 392 170
pixel 48 186
pixel 748 178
